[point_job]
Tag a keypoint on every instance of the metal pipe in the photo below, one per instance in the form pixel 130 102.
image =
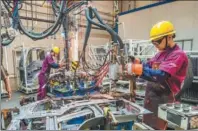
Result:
pixel 121 5
pixel 103 13
pixel 32 14
pixel 98 24
pixel 37 36
pixel 24 64
pixel 114 34
pixel 53 14
pixel 36 12
pixel 51 21
pixel 6 57
pixel 34 4
pixel 109 21
pixel 0 40
pixel 75 44
pixel 36 19
pixel 26 14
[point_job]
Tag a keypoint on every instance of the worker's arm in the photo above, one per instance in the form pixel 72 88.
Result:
pixel 52 63
pixel 146 72
pixel 55 65
pixel 167 68
pixel 149 73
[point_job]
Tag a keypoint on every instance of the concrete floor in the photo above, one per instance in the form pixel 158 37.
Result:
pixel 14 101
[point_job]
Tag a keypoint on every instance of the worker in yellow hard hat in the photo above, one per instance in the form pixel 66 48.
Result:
pixel 165 72
pixel 48 63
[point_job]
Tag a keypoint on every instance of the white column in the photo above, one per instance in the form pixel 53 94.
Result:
pixel 75 44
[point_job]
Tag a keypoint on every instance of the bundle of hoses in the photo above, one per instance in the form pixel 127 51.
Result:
pixel 89 11
pixel 115 38
pixel 6 39
pixel 60 12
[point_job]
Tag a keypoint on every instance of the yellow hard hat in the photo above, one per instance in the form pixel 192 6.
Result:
pixel 56 50
pixel 161 29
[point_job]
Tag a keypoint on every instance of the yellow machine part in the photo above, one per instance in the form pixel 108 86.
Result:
pixel 74 65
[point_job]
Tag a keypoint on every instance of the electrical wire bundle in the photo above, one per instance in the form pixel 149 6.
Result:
pixel 6 38
pixel 13 7
pixel 17 23
pixel 116 40
pixel 101 74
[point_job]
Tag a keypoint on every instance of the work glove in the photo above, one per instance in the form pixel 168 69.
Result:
pixel 134 69
pixel 62 65
pixel 134 60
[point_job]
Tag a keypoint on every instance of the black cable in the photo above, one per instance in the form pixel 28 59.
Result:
pixel 32 15
pixel 117 37
pixel 74 6
pixel 6 6
pixel 36 36
pixel 9 2
pixel 109 28
pixel 87 34
pixel 42 35
pixel 7 42
pixel 89 14
pixel 101 25
pixel 51 30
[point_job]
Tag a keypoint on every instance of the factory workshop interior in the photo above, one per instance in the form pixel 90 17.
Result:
pixel 99 65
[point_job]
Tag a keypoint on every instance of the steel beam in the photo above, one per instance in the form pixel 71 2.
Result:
pixel 51 21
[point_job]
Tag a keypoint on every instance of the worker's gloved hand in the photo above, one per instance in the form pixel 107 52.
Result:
pixel 62 65
pixel 134 60
pixel 137 61
pixel 134 69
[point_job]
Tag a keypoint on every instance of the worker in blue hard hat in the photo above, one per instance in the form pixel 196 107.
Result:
pixel 48 63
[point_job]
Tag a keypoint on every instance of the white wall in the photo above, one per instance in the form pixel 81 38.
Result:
pixel 183 14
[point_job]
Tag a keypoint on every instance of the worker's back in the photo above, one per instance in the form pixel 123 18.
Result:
pixel 46 64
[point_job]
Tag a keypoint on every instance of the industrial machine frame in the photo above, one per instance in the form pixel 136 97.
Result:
pixel 26 87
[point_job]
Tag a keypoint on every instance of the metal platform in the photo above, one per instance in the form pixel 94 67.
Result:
pixel 66 113
pixel 181 115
